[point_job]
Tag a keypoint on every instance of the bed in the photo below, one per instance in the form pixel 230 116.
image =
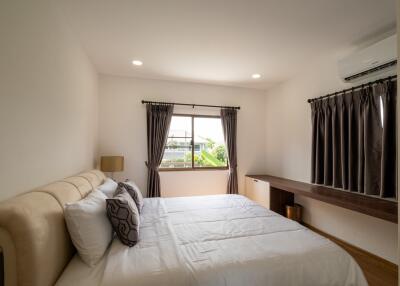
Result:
pixel 207 240
pixel 218 240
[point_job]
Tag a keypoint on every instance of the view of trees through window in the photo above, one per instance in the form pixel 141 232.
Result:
pixel 195 142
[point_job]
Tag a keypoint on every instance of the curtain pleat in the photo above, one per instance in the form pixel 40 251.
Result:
pixel 314 122
pixel 319 164
pixel 353 142
pixel 158 121
pixel 352 148
pixel 372 143
pixel 336 144
pixel 327 142
pixel 360 142
pixel 344 139
pixel 388 164
pixel 229 122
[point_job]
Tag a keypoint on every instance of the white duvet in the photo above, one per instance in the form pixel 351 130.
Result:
pixel 218 240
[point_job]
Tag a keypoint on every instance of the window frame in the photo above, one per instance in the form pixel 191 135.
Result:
pixel 194 168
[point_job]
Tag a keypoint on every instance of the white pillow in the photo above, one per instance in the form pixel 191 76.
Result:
pixel 108 187
pixel 89 227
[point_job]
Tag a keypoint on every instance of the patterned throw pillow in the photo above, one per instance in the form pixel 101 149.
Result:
pixel 124 217
pixel 134 191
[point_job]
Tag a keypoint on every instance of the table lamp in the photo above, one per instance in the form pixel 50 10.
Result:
pixel 112 164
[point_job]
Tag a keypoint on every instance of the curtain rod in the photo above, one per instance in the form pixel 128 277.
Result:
pixel 188 104
pixel 353 88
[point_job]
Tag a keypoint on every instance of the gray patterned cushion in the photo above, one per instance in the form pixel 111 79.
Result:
pixel 124 217
pixel 134 191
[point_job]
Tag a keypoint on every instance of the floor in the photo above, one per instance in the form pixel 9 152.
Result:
pixel 377 271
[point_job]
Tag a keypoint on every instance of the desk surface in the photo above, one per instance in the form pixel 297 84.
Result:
pixel 381 208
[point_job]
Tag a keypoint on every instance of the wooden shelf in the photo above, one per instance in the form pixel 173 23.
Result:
pixel 376 207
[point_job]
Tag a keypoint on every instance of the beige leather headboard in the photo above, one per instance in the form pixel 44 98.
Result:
pixel 33 236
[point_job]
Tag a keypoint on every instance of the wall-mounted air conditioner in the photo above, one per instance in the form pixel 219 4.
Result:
pixel 378 58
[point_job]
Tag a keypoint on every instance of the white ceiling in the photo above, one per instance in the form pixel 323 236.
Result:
pixel 222 41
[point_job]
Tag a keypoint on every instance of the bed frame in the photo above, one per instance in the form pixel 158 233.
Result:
pixel 33 236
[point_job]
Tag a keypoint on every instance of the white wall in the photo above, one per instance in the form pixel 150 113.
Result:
pixel 48 98
pixel 288 153
pixel 123 129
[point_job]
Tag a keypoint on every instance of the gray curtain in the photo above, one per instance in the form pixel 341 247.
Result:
pixel 229 122
pixel 352 148
pixel 158 121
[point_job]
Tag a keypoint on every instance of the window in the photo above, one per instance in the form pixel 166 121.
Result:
pixel 195 142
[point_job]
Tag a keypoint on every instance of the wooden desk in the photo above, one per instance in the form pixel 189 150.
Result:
pixel 281 191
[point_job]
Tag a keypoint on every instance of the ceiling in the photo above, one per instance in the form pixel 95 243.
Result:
pixel 222 41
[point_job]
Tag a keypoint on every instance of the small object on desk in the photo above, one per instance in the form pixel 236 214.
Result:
pixel 294 212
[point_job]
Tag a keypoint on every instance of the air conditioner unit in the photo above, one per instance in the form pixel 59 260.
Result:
pixel 379 58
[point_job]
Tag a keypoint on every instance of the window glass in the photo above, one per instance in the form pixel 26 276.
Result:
pixel 178 151
pixel 209 146
pixel 381 109
pixel 202 147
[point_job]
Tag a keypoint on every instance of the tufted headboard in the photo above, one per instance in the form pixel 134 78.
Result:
pixel 33 236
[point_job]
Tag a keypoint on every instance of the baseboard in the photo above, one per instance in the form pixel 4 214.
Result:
pixel 378 271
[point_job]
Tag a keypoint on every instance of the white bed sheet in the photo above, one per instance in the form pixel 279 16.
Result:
pixel 218 240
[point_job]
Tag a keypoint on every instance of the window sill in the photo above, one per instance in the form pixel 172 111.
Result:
pixel 193 169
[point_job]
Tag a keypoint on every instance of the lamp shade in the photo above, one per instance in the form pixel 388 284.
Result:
pixel 112 163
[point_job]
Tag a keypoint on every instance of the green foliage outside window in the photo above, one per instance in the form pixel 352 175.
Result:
pixel 213 156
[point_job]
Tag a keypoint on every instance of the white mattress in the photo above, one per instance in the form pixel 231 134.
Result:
pixel 218 240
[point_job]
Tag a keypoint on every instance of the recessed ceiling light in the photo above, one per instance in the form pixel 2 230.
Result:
pixel 137 63
pixel 256 75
